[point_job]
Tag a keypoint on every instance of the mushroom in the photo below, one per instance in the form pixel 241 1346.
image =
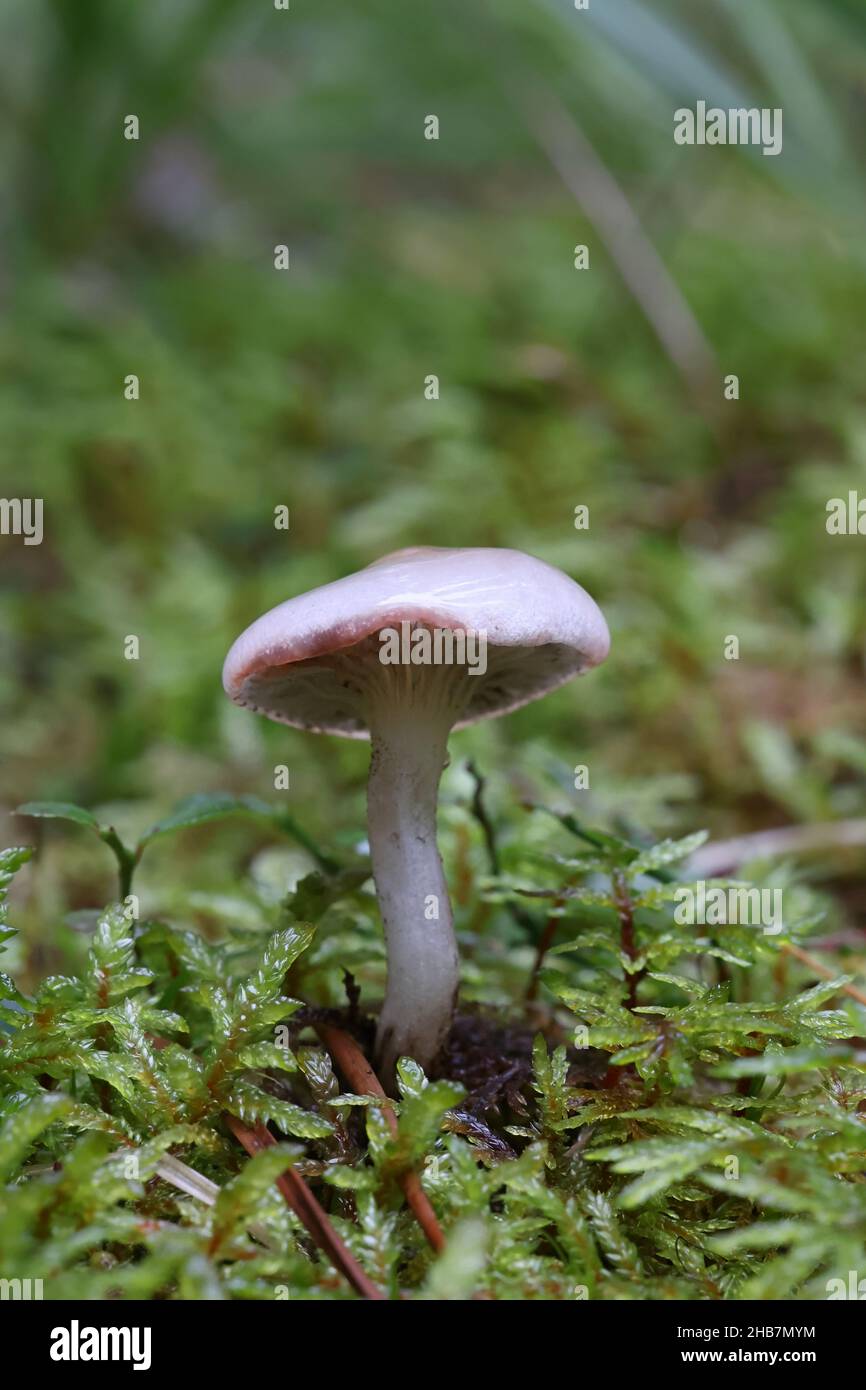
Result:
pixel 358 657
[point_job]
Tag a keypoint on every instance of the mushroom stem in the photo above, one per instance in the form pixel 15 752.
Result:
pixel 409 751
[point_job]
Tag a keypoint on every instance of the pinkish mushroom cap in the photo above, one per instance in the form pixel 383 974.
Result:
pixel 540 627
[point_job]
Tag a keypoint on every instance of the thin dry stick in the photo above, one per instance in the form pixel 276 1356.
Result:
pixel 364 1082
pixel 625 910
pixel 823 970
pixel 609 210
pixel 545 941
pixel 723 856
pixel 727 855
pixel 308 1211
pixel 479 811
pixel 185 1179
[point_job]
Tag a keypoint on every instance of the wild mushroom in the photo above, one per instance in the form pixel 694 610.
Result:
pixel 358 657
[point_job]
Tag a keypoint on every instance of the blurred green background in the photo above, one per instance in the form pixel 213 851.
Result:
pixel 558 388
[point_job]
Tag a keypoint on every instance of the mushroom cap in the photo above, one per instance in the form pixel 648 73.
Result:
pixel 294 664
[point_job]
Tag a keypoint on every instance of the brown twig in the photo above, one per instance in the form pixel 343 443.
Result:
pixel 625 909
pixel 545 941
pixel 724 856
pixel 822 970
pixel 308 1211
pixel 727 856
pixel 524 920
pixel 364 1082
pixel 479 811
pixel 642 269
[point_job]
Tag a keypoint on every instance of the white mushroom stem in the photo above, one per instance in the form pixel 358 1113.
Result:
pixel 409 751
